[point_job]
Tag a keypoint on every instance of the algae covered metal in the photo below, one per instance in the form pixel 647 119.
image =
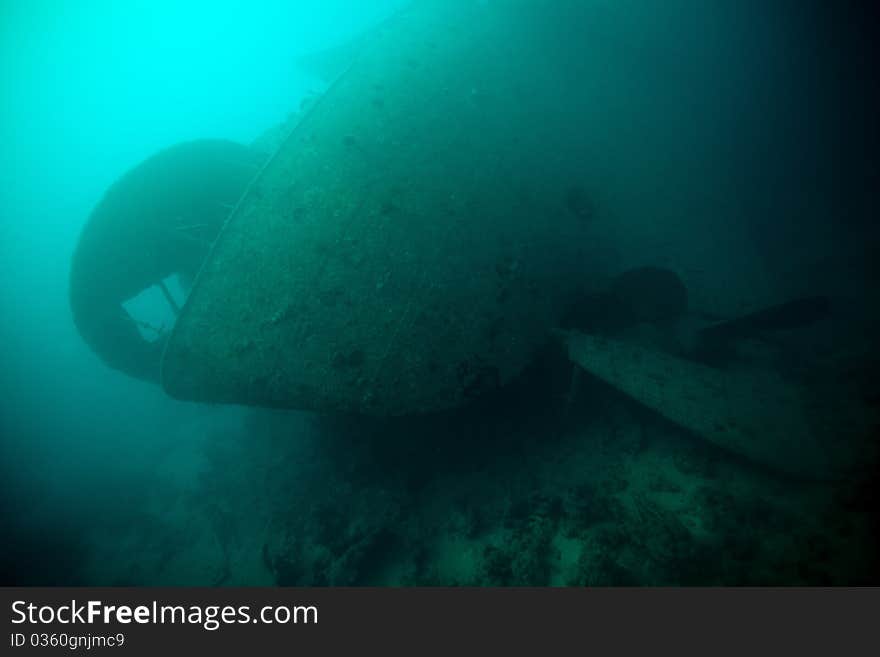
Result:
pixel 157 220
pixel 409 246
pixel 751 412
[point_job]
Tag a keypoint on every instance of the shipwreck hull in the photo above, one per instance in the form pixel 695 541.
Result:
pixel 409 246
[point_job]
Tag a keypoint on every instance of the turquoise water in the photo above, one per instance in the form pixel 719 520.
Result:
pixel 729 143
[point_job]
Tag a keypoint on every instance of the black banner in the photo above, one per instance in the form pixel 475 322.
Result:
pixel 458 621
